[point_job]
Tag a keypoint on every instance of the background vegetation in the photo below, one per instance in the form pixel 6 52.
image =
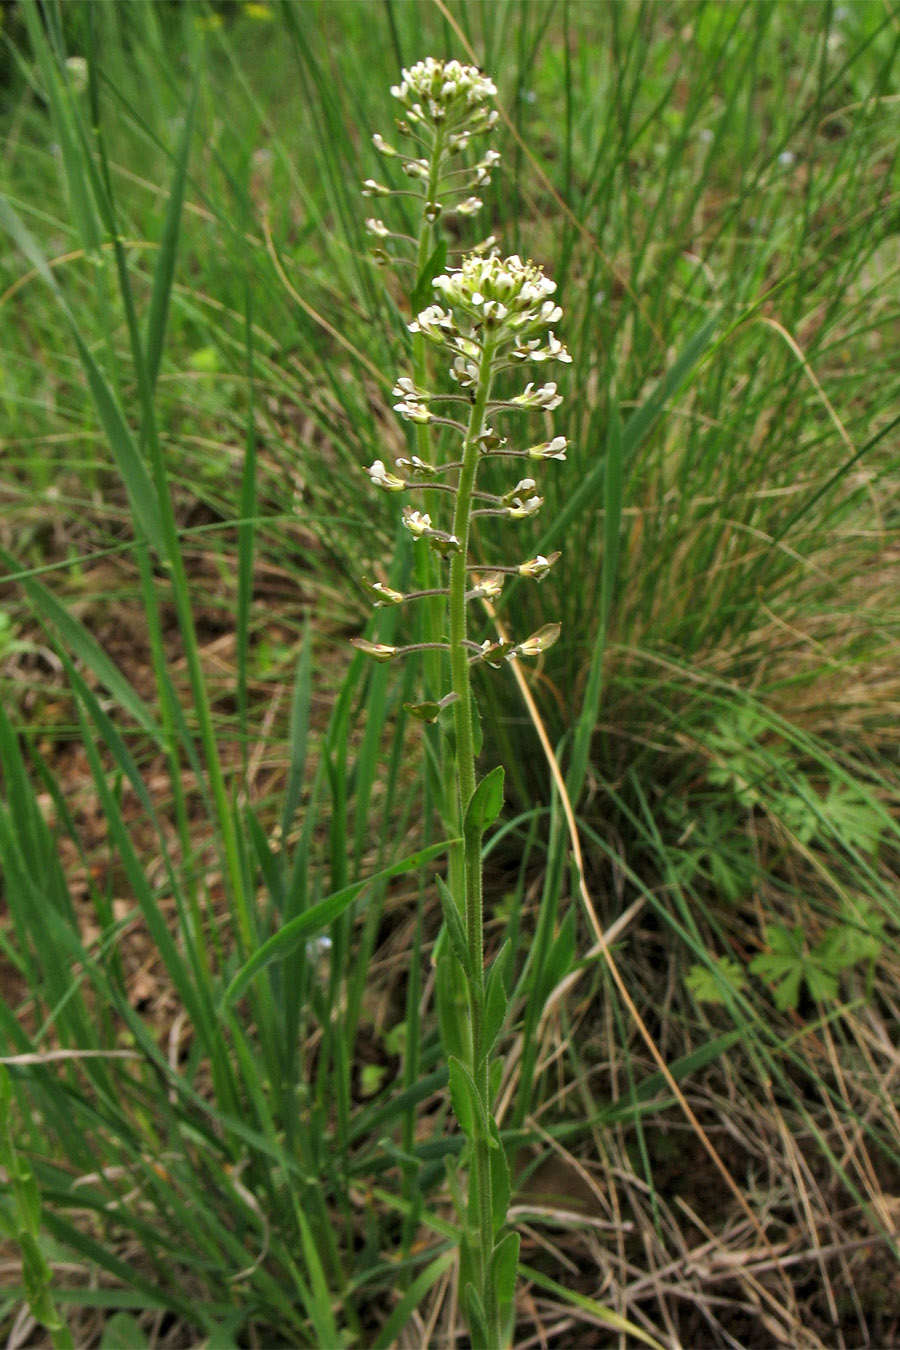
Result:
pixel 218 1141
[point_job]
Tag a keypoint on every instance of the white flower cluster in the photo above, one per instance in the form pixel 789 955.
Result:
pixel 490 315
pixel 504 297
pixel 447 94
pixel 445 104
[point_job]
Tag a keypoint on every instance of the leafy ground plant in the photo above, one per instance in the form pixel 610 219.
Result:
pixel 495 315
pixel 229 984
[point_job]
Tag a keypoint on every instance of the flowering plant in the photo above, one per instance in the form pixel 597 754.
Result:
pixel 489 315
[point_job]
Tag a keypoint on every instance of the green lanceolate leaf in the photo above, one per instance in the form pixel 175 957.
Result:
pixel 477 733
pixel 500 1185
pixel 467 1105
pixel 455 930
pixel 452 1007
pixel 503 1267
pixel 476 1317
pixel 485 804
pixel 560 958
pixel 423 294
pixel 423 712
pixel 496 1001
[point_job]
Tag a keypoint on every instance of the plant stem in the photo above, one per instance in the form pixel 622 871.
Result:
pixel 466 782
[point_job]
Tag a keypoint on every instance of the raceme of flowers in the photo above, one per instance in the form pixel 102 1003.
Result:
pixel 445 104
pixel 494 315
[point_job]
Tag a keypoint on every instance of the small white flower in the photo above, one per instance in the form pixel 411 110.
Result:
pixel 379 651
pixel 556 351
pixel 494 313
pixel 387 596
pixel 555 449
pixel 406 390
pixel 490 586
pixel 489 440
pixel 520 508
pixel 787 157
pixel 417 522
pixel 433 322
pixel 413 412
pixel 464 372
pixel 545 397
pixel 443 85
pixel 458 140
pixel 382 146
pixel 381 594
pixel 417 168
pixel 537 568
pixel 470 207
pixel 417 466
pixel 372 189
pixel 383 478
pixel 538 642
pixel 377 227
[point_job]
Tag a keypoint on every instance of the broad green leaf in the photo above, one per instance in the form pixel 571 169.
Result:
pixel 503 1268
pixel 485 804
pixel 455 929
pixel 423 712
pixel 496 1001
pixel 423 292
pixel 467 1105
pixel 452 1007
pixel 500 1183
pixel 475 1316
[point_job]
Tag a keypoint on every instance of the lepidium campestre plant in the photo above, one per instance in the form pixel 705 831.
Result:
pixel 490 315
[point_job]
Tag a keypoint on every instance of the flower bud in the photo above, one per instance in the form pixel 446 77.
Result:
pixel 417 522
pixel 381 594
pixel 382 478
pixel 489 586
pixel 538 642
pixel 417 467
pixel 555 449
pixel 521 507
pixel 379 651
pixel 413 412
pixel 546 397
pixel 537 568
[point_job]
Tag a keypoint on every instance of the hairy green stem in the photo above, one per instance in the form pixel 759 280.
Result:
pixel 473 906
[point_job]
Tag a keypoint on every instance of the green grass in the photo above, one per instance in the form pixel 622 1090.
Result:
pixel 198 358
